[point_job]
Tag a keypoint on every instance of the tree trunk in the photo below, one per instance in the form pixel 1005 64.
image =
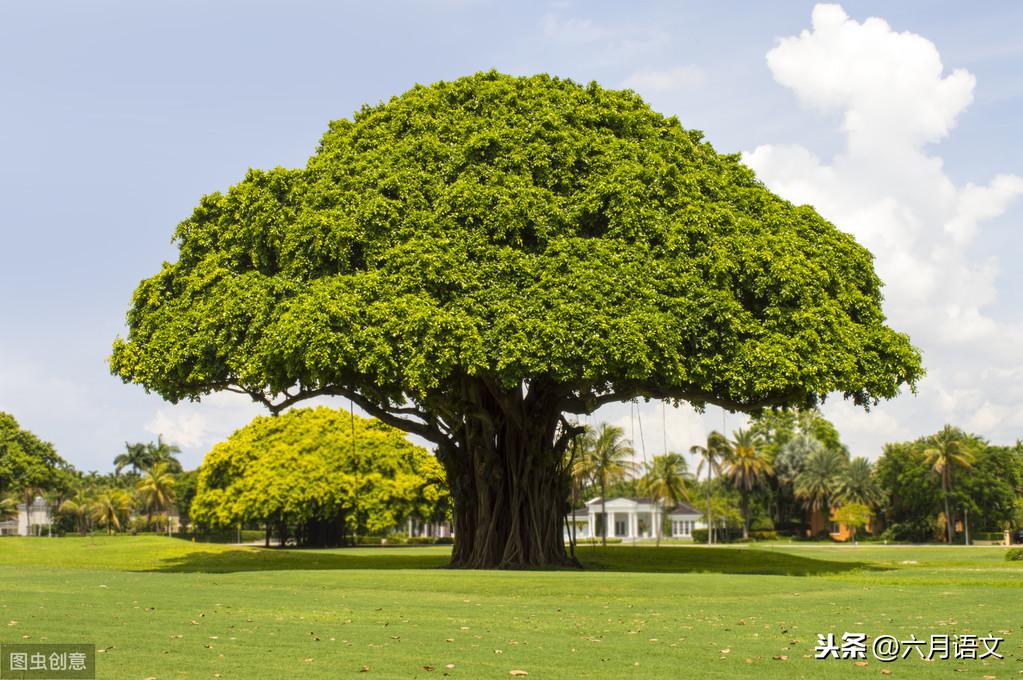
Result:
pixel 948 515
pixel 603 513
pixel 745 515
pixel 508 477
pixel 710 519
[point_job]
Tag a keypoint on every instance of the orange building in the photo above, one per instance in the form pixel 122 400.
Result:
pixel 837 530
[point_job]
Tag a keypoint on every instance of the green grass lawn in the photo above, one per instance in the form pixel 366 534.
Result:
pixel 165 608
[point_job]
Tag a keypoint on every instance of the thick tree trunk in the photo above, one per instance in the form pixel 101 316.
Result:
pixel 509 481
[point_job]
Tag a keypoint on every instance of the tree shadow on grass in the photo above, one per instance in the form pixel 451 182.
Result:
pixel 718 560
pixel 645 559
pixel 277 559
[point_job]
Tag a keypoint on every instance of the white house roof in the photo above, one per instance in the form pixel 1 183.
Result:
pixel 642 504
pixel 684 510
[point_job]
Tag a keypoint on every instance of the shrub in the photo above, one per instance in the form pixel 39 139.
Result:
pixel 764 535
pixel 429 540
pixel 699 535
pixel 1014 555
pixel 596 541
pixel 369 540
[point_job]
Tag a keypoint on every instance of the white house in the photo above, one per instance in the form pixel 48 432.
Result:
pixel 630 518
pixel 32 522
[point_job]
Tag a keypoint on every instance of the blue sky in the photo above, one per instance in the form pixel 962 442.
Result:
pixel 115 117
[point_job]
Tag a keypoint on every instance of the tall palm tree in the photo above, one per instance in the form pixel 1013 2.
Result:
pixel 665 481
pixel 857 484
pixel 946 450
pixel 162 452
pixel 138 457
pixel 748 468
pixel 110 508
pixel 817 483
pixel 156 491
pixel 609 461
pixel 711 457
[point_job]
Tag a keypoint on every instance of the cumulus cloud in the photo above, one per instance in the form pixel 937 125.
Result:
pixel 885 187
pixel 197 426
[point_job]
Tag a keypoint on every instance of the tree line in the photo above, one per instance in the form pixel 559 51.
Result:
pixel 788 466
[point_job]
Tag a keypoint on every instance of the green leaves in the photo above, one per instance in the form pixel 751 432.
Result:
pixel 514 228
pixel 26 462
pixel 309 464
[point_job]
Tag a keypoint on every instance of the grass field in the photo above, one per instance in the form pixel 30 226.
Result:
pixel 165 608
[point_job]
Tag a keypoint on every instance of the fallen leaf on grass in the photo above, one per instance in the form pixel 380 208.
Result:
pixel 780 658
pixel 517 673
pixel 861 663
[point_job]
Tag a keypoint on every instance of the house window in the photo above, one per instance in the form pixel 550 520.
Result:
pixel 621 527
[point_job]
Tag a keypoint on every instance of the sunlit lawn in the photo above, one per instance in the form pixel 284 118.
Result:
pixel 167 608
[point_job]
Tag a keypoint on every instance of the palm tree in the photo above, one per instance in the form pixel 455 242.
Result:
pixel 818 481
pixel 747 467
pixel 138 457
pixel 80 509
pixel 8 509
pixel 946 450
pixel 665 481
pixel 581 449
pixel 610 460
pixel 711 456
pixel 110 507
pixel 156 492
pixel 162 452
pixel 857 484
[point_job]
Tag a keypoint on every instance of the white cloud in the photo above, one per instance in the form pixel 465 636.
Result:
pixel 616 42
pixel 200 425
pixel 896 199
pixel 652 80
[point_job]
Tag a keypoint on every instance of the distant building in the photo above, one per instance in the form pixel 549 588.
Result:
pixel 630 518
pixel 417 528
pixel 836 530
pixel 35 521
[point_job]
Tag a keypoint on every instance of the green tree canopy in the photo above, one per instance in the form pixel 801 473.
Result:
pixel 989 488
pixel 309 468
pixel 475 259
pixel 27 462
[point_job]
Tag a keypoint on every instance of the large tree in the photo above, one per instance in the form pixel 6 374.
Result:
pixel 475 260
